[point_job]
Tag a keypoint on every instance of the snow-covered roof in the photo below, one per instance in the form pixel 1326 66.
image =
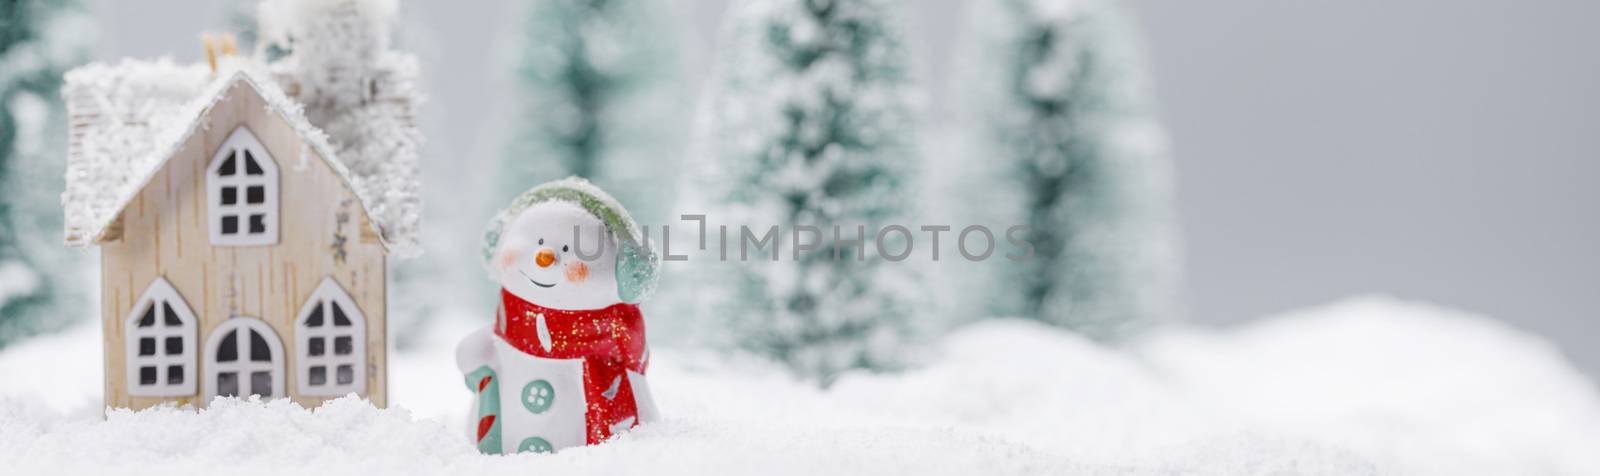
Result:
pixel 128 119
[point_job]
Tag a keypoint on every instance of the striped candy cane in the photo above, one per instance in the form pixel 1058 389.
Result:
pixel 487 385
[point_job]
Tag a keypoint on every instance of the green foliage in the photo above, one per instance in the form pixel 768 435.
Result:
pixel 595 79
pixel 37 274
pixel 812 128
pixel 1073 119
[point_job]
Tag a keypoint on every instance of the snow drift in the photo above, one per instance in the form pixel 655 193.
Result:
pixel 1369 385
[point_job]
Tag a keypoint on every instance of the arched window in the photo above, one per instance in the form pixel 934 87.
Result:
pixel 242 193
pixel 244 357
pixel 330 344
pixel 160 343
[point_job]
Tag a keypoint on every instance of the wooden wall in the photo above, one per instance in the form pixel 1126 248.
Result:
pixel 163 232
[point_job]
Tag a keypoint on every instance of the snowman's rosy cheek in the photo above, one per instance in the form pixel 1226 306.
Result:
pixel 508 258
pixel 577 272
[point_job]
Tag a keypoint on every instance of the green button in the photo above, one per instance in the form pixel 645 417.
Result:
pixel 538 395
pixel 535 444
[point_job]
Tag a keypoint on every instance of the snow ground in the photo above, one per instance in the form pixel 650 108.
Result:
pixel 1367 385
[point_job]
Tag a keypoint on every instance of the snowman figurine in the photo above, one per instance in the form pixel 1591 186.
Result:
pixel 564 363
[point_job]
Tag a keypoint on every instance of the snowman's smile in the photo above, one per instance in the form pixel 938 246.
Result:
pixel 535 282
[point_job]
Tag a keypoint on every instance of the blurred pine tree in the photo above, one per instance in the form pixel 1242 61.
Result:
pixel 1066 105
pixel 809 125
pixel 598 98
pixel 42 284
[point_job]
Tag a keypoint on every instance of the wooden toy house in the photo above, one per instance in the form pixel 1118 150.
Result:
pixel 243 249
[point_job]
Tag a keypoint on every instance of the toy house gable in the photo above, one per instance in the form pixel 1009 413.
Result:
pixel 244 229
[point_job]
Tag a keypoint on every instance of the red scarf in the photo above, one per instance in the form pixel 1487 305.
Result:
pixel 609 340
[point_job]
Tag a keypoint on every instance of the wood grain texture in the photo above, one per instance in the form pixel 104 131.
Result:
pixel 163 233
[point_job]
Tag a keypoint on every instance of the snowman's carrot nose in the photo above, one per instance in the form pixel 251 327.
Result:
pixel 544 257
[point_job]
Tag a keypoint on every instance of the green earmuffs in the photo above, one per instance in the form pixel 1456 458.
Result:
pixel 637 272
pixel 637 265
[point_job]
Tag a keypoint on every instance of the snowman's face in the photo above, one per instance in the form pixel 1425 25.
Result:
pixel 538 260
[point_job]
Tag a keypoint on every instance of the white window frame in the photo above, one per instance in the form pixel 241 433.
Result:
pixel 238 143
pixel 328 295
pixel 158 296
pixel 242 366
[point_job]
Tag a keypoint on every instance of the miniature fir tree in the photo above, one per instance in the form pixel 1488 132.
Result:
pixel 596 99
pixel 1066 110
pixel 810 126
pixel 39 40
